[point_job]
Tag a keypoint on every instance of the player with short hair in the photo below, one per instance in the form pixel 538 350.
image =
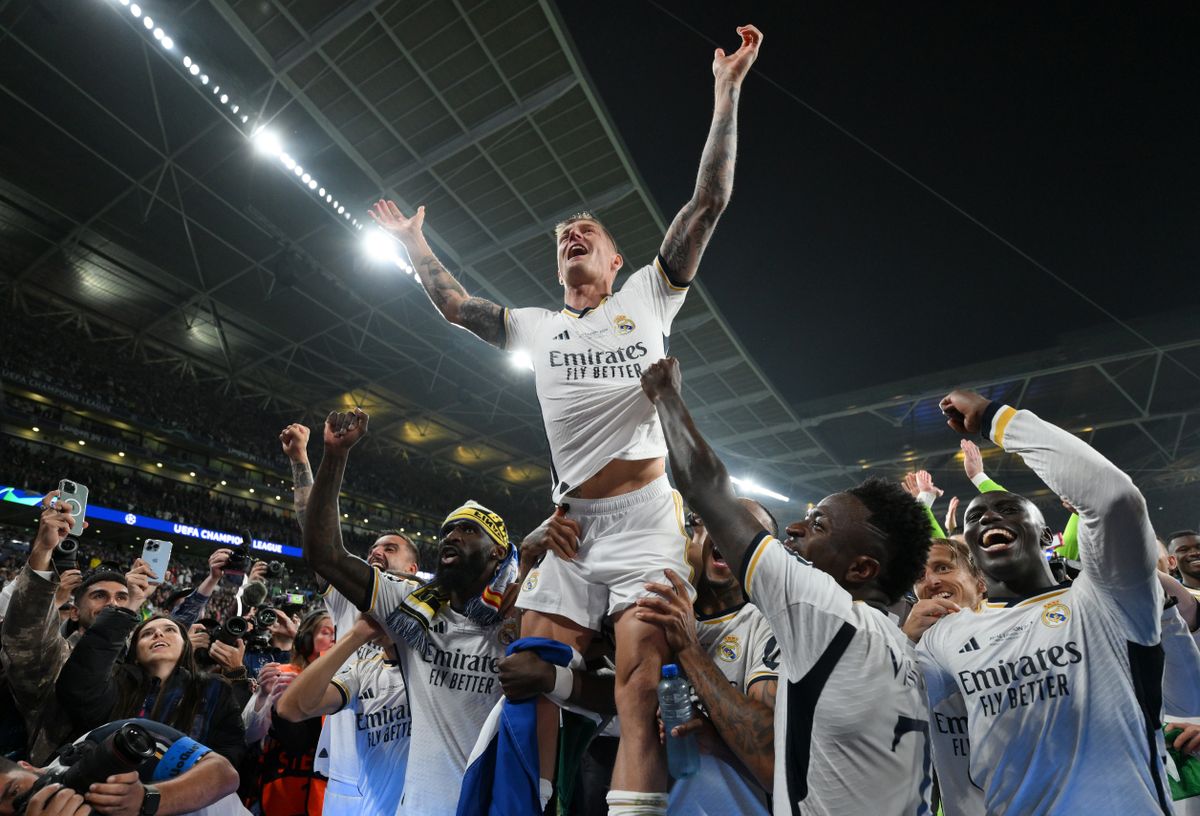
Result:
pixel 339 748
pixel 1184 547
pixel 1062 686
pixel 607 452
pixel 851 720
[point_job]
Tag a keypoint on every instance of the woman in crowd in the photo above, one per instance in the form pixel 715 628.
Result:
pixel 288 783
pixel 157 680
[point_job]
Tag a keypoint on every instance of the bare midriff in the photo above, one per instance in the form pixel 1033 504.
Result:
pixel 621 476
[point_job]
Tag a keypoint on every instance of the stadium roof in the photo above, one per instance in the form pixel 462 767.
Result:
pixel 130 192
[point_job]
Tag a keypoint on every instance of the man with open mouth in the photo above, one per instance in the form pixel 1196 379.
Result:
pixel 1060 685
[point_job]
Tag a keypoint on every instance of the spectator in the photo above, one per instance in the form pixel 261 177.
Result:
pixel 158 678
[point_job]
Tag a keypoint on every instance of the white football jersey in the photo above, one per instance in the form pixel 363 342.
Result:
pixel 588 367
pixel 452 688
pixel 337 755
pixel 851 721
pixel 1062 691
pixel 373 692
pixel 745 651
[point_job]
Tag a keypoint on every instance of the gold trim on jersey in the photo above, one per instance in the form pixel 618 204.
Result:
pixel 1000 423
pixel 585 312
pixel 687 540
pixel 1045 596
pixel 345 692
pixel 758 551
pixel 667 278
pixel 722 619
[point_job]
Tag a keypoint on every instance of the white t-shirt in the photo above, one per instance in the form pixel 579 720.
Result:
pixel 337 748
pixel 851 721
pixel 373 692
pixel 452 688
pixel 1062 691
pixel 587 369
pixel 745 651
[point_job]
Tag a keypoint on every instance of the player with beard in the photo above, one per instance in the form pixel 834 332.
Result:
pixel 447 630
pixel 1184 547
pixel 393 553
pixel 851 718
pixel 606 449
pixel 729 654
pixel 1062 687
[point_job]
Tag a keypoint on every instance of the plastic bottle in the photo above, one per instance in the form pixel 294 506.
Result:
pixel 675 703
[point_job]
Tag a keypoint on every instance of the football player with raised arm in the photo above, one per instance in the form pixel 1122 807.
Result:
pixel 1061 683
pixel 607 451
pixel 851 721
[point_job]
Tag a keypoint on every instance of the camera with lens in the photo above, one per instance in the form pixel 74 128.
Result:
pixel 259 638
pixel 89 763
pixel 239 562
pixel 276 569
pixel 65 556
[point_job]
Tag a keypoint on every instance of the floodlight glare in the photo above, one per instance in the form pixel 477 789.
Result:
pixel 287 160
pixel 522 360
pixel 195 69
pixel 379 246
pixel 306 178
pixel 245 119
pixel 298 170
pixel 187 61
pixel 216 89
pixel 158 32
pixel 265 141
pixel 341 210
pixel 321 192
pixel 224 99
pixel 204 79
pixel 312 184
pixel 124 2
pixel 147 22
pixel 752 488
pixel 135 10
pixel 234 108
pixel 329 197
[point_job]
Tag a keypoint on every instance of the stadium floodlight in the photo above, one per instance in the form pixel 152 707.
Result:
pixel 234 108
pixel 341 210
pixel 306 178
pixel 195 69
pixel 187 61
pixel 522 360
pixel 753 488
pixel 135 10
pixel 312 184
pixel 245 118
pixel 267 143
pixel 204 79
pixel 382 248
pixel 287 160
pixel 168 43
pixel 148 22
pixel 124 2
pixel 158 33
pixel 224 99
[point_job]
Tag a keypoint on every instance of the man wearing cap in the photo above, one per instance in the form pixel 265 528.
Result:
pixel 447 629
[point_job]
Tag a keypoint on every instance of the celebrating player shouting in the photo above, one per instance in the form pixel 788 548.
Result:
pixel 607 449
pixel 1062 688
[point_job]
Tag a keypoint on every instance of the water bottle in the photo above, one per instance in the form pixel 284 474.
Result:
pixel 675 703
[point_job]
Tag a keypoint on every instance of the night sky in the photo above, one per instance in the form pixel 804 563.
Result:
pixel 1071 131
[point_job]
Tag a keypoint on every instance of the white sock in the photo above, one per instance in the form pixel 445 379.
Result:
pixel 636 803
pixel 545 791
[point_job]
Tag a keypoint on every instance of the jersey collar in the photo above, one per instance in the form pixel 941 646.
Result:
pixel 724 614
pixel 1029 600
pixel 572 312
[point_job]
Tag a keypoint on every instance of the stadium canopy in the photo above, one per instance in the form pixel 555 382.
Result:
pixel 133 193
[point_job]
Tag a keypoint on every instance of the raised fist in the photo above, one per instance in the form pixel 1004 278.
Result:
pixel 294 440
pixel 344 429
pixel 964 410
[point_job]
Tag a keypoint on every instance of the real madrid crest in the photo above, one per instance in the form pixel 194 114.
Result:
pixel 1055 614
pixel 730 648
pixel 624 324
pixel 531 582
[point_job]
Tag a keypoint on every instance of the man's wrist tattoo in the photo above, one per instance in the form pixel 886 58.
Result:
pixel 302 474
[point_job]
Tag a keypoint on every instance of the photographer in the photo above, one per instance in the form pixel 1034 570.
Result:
pixel 33 649
pixel 179 776
pixel 157 679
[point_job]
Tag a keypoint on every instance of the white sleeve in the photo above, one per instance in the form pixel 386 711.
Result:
pixel 520 325
pixel 1116 542
pixel 1181 670
pixel 348 681
pixel 653 283
pixel 805 608
pixel 939 683
pixel 763 654
pixel 952 758
pixel 337 604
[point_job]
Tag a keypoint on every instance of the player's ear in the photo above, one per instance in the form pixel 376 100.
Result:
pixel 617 262
pixel 1047 537
pixel 862 569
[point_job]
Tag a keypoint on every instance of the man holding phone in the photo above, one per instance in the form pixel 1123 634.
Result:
pixel 32 650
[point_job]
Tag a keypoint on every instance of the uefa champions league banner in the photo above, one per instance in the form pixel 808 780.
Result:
pixel 98 513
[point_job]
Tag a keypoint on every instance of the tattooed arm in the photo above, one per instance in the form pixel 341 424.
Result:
pixel 689 233
pixel 744 723
pixel 477 315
